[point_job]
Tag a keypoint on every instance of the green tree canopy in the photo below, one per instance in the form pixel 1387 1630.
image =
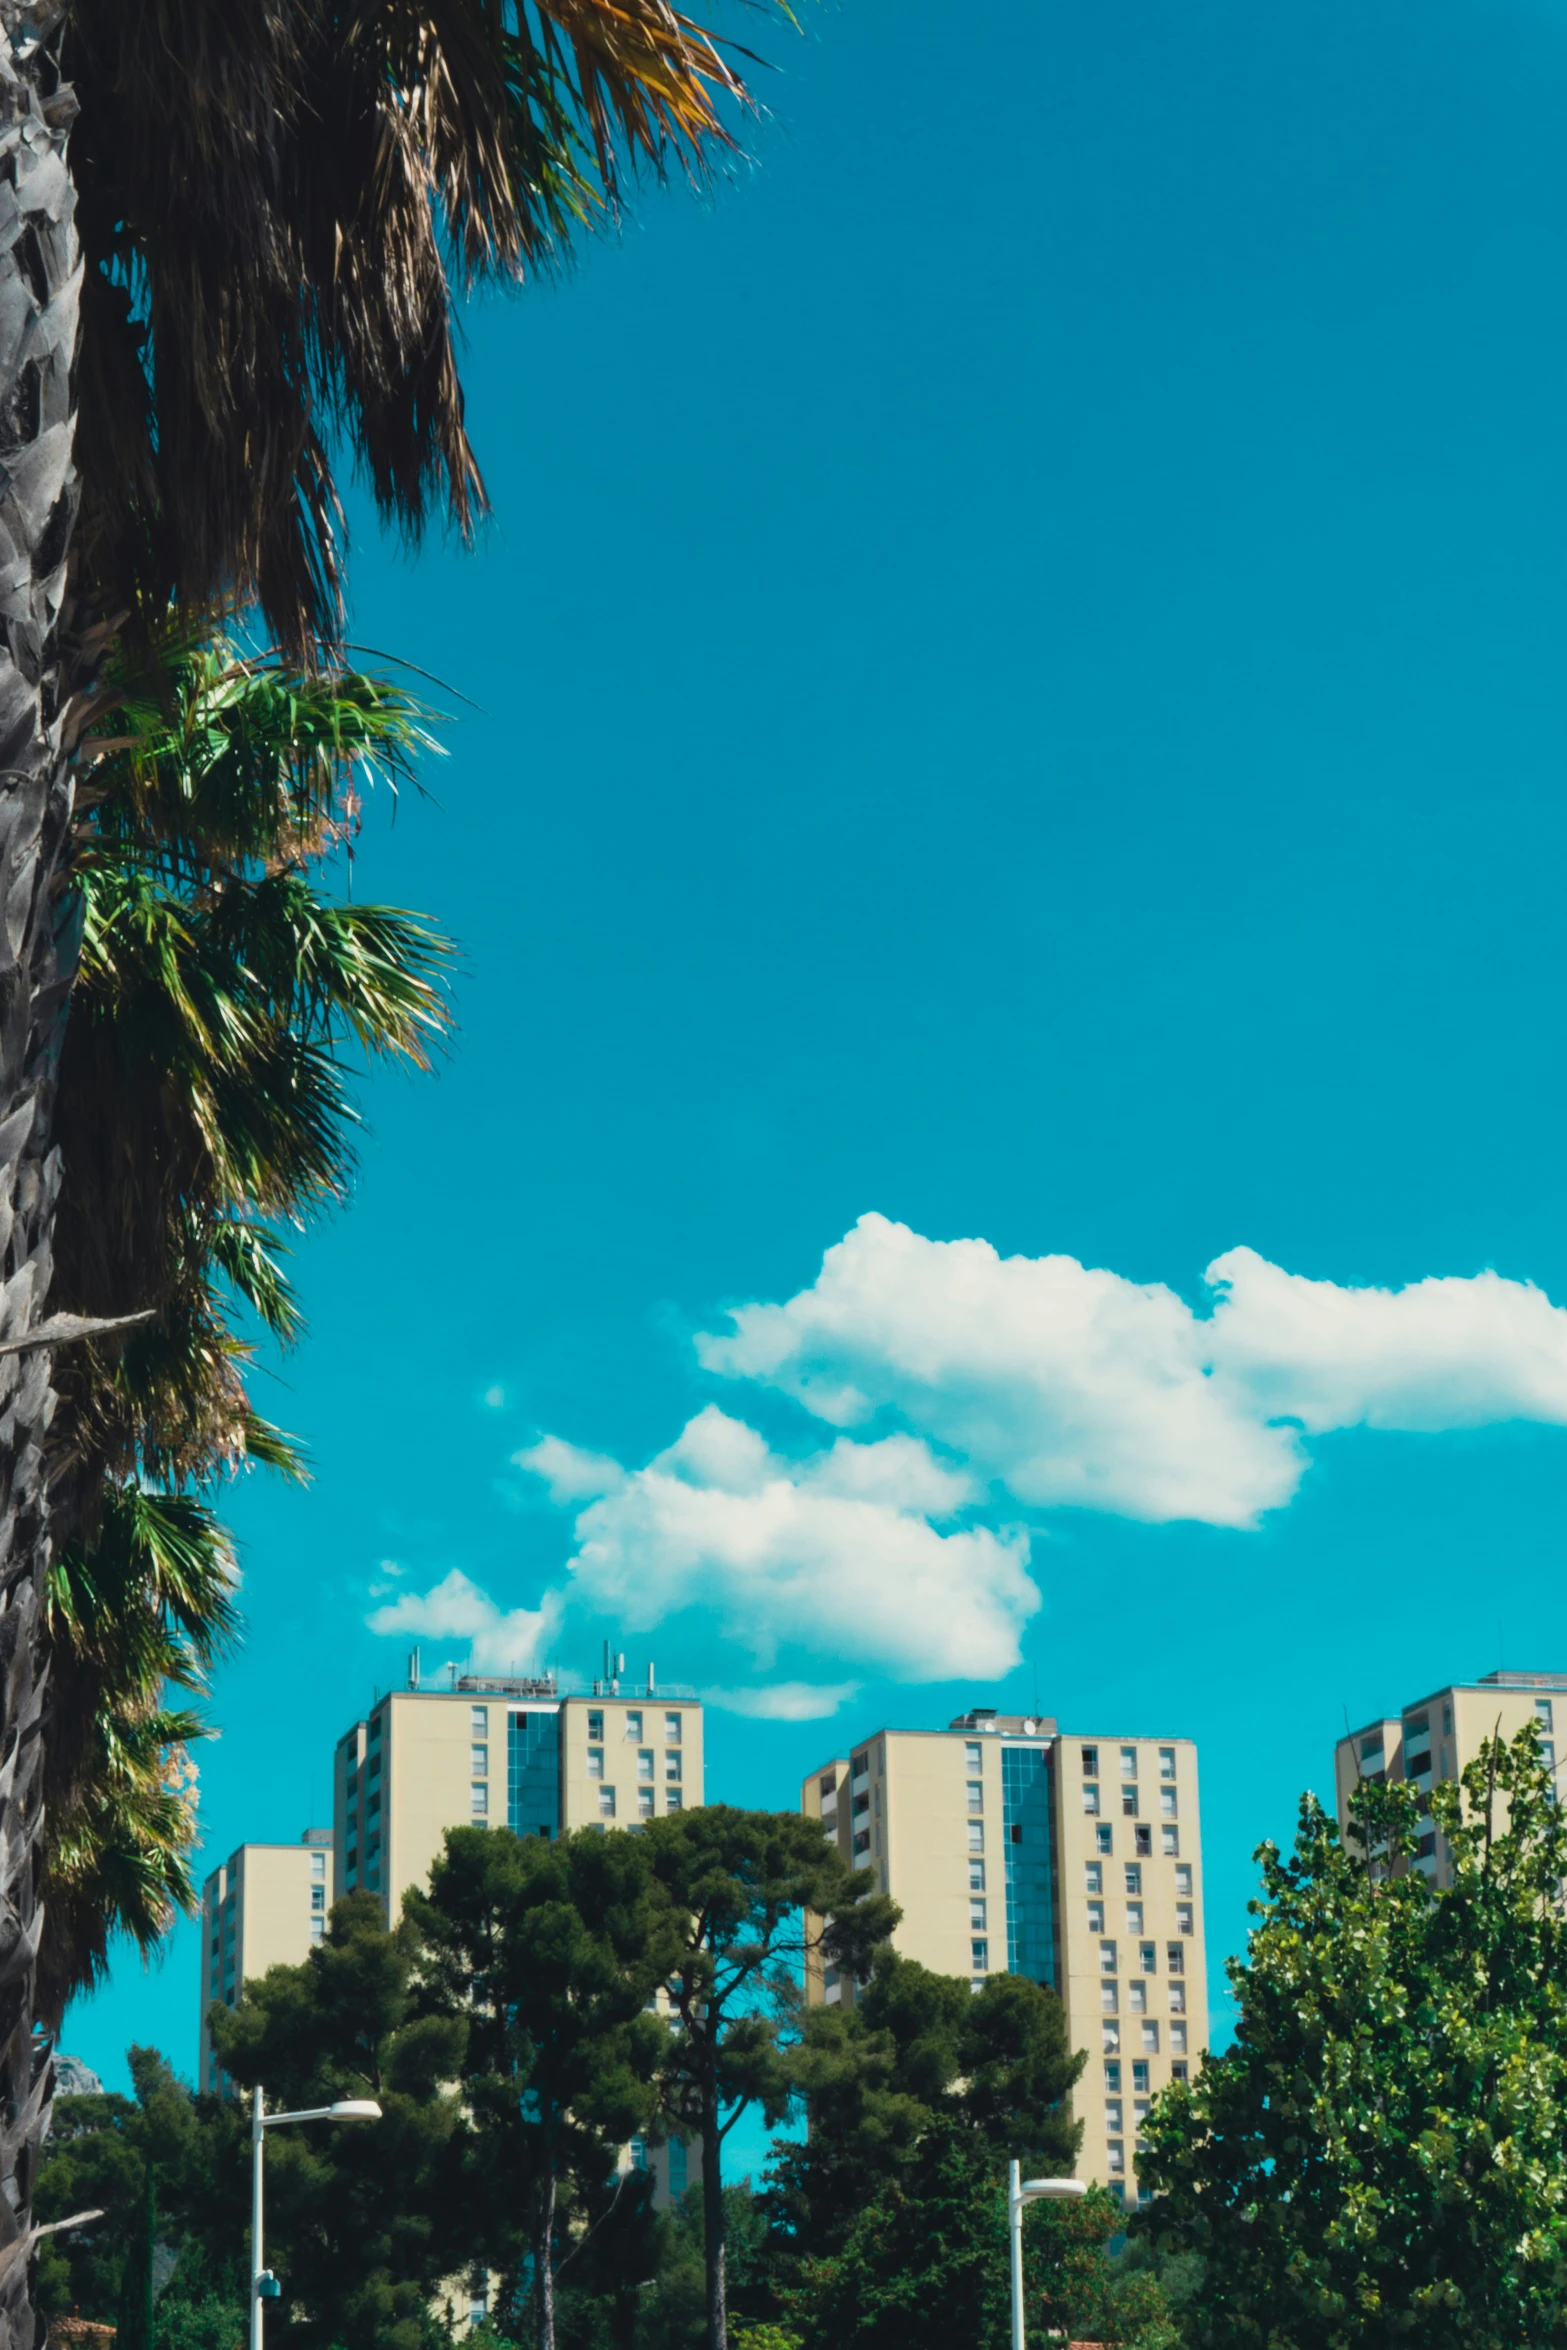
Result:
pixel 361 2221
pixel 750 1894
pixel 1381 2154
pixel 547 1955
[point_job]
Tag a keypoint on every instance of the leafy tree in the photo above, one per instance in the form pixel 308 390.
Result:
pixel 925 2262
pixel 547 1954
pixel 1381 2154
pixel 750 1893
pixel 204 289
pixel 917 2049
pixel 363 2220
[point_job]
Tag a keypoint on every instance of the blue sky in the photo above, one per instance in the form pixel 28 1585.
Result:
pixel 1021 675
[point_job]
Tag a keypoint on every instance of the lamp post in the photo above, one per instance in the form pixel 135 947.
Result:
pixel 348 2109
pixel 1019 2192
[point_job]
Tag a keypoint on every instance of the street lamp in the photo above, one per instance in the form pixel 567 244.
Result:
pixel 263 2285
pixel 1019 2192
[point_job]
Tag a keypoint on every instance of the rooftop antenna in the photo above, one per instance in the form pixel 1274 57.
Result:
pixel 413 1669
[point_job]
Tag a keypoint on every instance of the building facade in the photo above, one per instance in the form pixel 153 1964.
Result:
pixel 1437 1736
pixel 511 1753
pixel 266 1906
pixel 1013 1848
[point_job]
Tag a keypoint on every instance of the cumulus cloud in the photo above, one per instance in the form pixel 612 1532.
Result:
pixel 838 1553
pixel 960 1389
pixel 785 1701
pixel 499 1640
pixel 1068 1385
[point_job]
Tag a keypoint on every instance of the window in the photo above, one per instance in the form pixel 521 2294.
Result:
pixel 1371 1754
pixel 1167 1803
pixel 672 1769
pixel 979 1954
pixel 595 1727
pixel 375 1767
pixel 1109 1999
pixel 634 1728
pixel 1150 2042
pixel 976 1917
pixel 1139 2114
pixel 644 1803
pixel 1177 1998
pixel 606 1803
pixel 478 1721
pixel 1542 1714
pixel 1090 1762
pixel 1178 2044
pixel 1169 1842
pixel 1128 1803
pixel 1140 2077
pixel 1137 1996
pixel 672 1730
pixel 1134 1917
pixel 976 1876
pixel 1115 2156
pixel 860 1765
pixel 318 1864
pixel 373 1807
pixel 1175 1957
pixel 318 1929
pixel 1183 1877
pixel 1091 1801
pixel 1548 1753
pixel 1103 1839
pixel 645 1763
pixel 673 1799
pixel 1134 1876
pixel 1107 1958
pixel 1167 1762
pixel 375 1730
pixel 862 1842
pixel 976 1835
pixel 1178 2072
pixel 1183 1917
pixel 827 1785
pixel 1143 1839
pixel 595 1762
pixel 1096 1917
pixel 976 1795
pixel 973 1756
pixel 861 1805
pixel 479 1762
pixel 1095 1876
pixel 1128 1762
pixel 479 1800
pixel 318 1897
pixel 1109 2030
pixel 1113 2116
pixel 1113 2079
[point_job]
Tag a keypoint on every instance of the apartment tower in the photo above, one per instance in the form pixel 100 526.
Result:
pixel 1437 1736
pixel 1013 1848
pixel 266 1906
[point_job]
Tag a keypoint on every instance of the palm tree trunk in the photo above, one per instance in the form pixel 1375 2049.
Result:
pixel 39 284
pixel 713 2233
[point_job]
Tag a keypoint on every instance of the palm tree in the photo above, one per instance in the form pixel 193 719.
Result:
pixel 230 234
pixel 202 1101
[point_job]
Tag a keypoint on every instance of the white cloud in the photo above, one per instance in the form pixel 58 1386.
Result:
pixel 785 1701
pixel 1067 1385
pixel 570 1473
pixel 836 1554
pixel 498 1640
pixel 495 1398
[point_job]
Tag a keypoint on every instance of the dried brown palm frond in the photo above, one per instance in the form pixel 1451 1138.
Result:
pixel 278 202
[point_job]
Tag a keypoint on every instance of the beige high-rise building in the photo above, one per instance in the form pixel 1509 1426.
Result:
pixel 1010 1846
pixel 266 1906
pixel 1436 1736
pixel 517 1754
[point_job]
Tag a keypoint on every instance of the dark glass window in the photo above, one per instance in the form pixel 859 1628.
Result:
pixel 1025 1816
pixel 533 1773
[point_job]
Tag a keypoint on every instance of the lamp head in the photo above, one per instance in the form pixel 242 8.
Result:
pixel 1032 2189
pixel 355 2109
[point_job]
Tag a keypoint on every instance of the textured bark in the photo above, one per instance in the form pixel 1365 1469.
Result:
pixel 40 283
pixel 544 2264
pixel 713 2231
